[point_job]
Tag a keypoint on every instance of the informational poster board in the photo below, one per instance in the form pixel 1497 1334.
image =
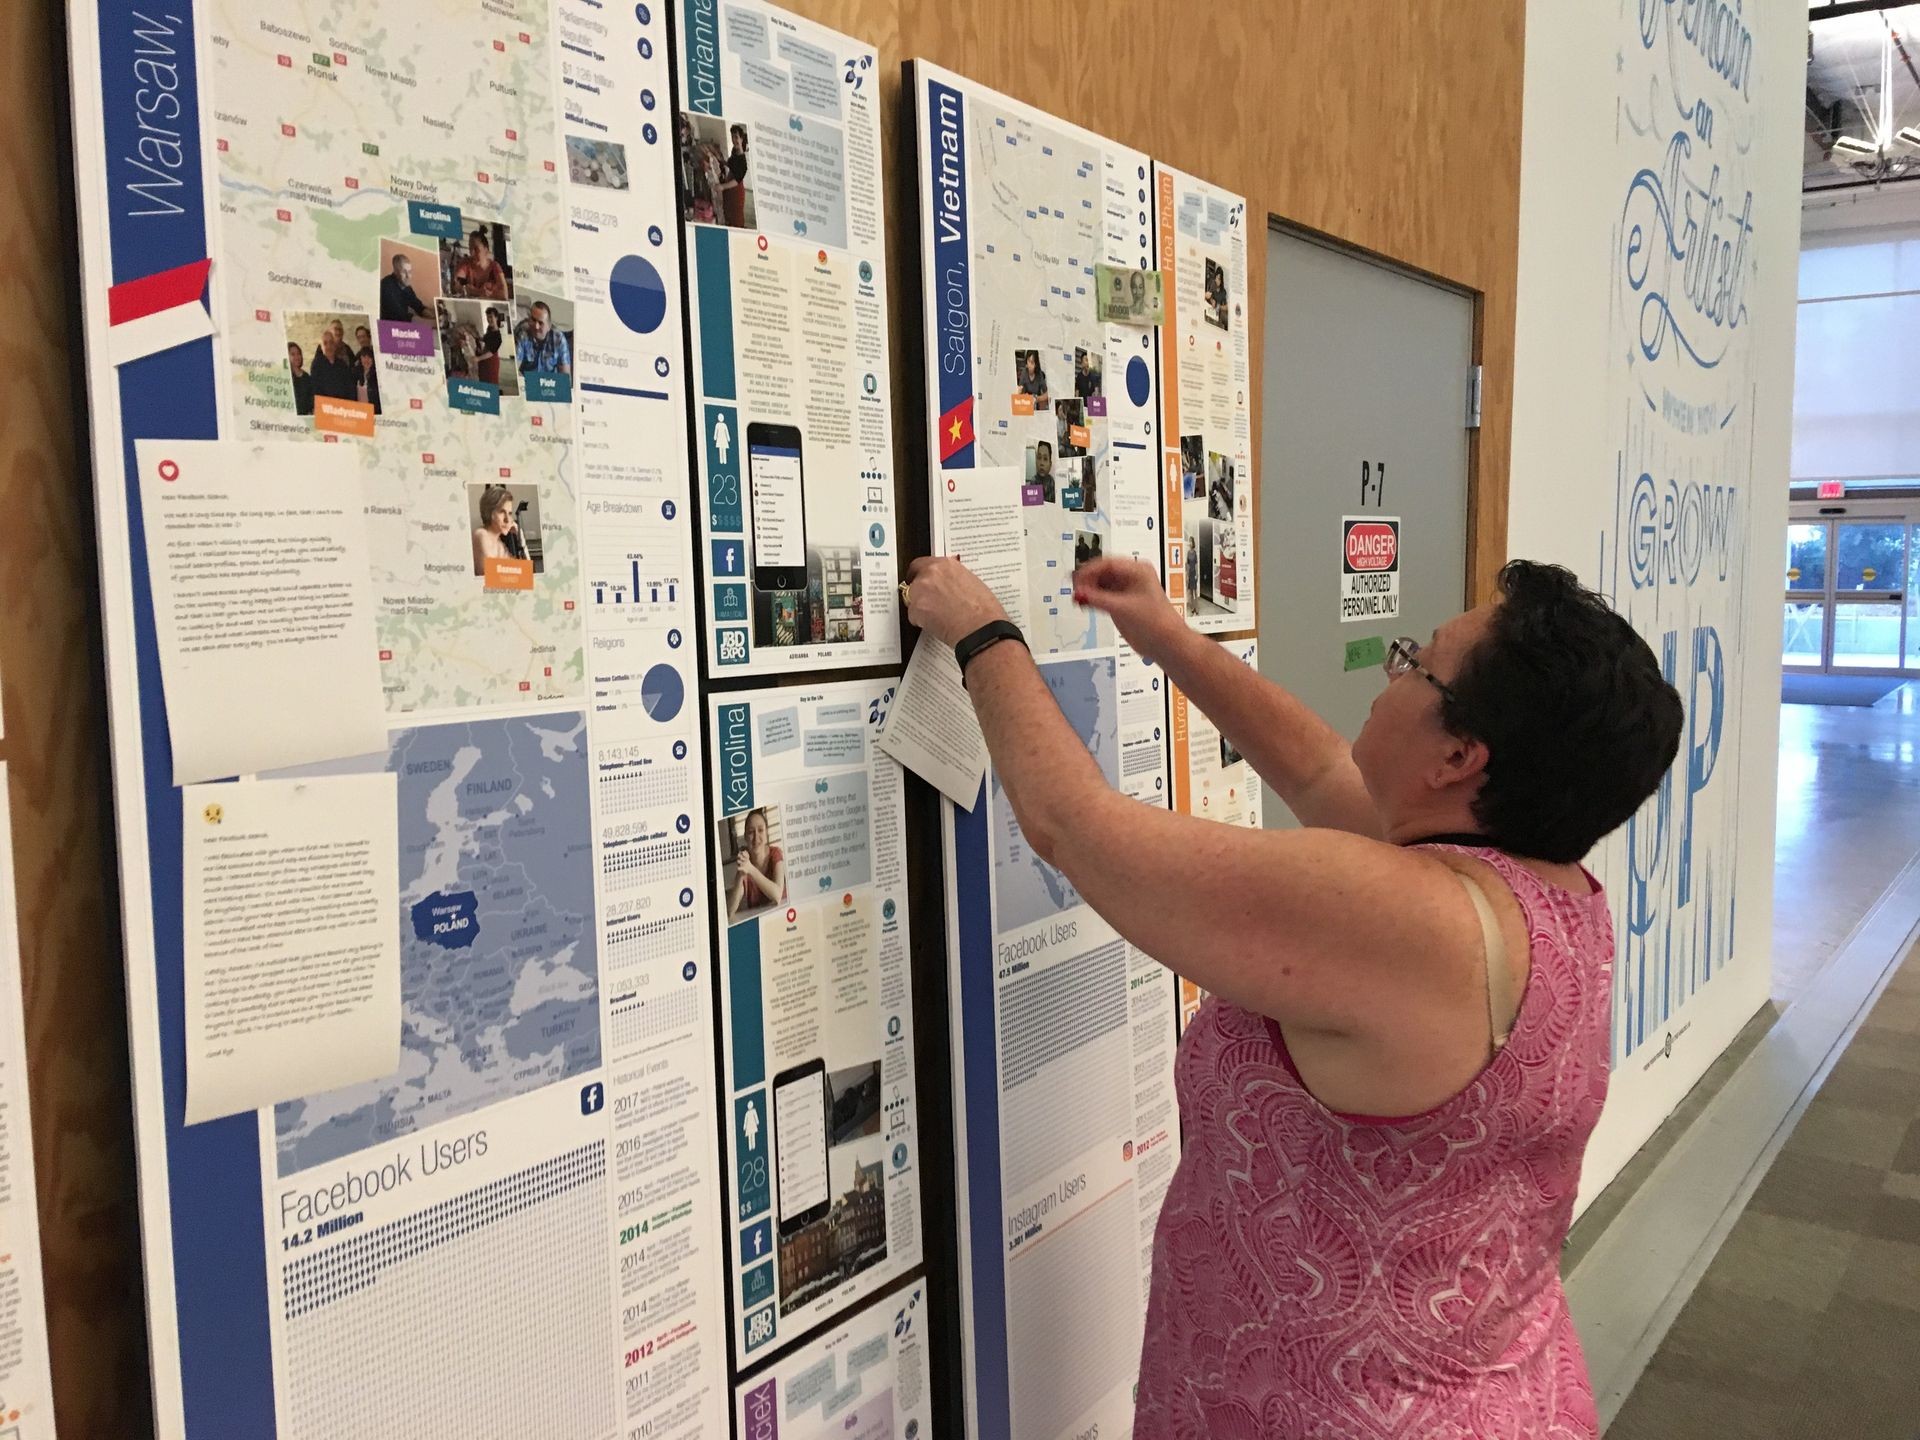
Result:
pixel 1206 380
pixel 866 1379
pixel 442 250
pixel 1063 1053
pixel 26 1384
pixel 784 201
pixel 817 1007
pixel 1211 779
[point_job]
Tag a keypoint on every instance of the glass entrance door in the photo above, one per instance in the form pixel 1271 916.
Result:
pixel 1851 601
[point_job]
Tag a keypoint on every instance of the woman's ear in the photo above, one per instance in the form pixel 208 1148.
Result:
pixel 1464 760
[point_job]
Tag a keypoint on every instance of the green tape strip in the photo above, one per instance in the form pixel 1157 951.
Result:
pixel 1367 653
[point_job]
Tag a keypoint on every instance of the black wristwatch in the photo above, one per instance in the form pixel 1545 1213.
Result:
pixel 988 635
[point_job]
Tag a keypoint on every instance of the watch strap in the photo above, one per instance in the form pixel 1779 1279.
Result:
pixel 989 634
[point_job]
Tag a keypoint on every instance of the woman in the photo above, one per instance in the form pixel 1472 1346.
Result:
pixel 368 380
pixel 760 870
pixel 498 537
pixel 734 189
pixel 1386 1099
pixel 480 276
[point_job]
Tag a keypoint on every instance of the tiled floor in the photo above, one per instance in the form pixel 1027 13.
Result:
pixel 1849 822
pixel 1806 1326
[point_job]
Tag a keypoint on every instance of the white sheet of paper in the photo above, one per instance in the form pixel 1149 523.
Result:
pixel 23 1306
pixel 263 605
pixel 931 728
pixel 980 510
pixel 292 938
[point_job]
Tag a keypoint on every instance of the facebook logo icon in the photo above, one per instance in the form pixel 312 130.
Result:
pixel 593 1099
pixel 730 557
pixel 756 1242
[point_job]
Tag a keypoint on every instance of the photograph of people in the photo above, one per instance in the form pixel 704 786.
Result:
pixel 697 184
pixel 302 381
pixel 760 869
pixel 399 301
pixel 1193 452
pixel 1086 548
pixel 1086 373
pixel 1425 956
pixel 478 274
pixel 714 188
pixel 1069 415
pixel 497 536
pixel 336 373
pixel 1032 379
pixel 1089 486
pixel 367 379
pixel 1040 468
pixel 1215 310
pixel 542 345
pixel 1219 488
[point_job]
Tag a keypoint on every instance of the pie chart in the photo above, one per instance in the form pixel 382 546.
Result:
pixel 662 693
pixel 638 294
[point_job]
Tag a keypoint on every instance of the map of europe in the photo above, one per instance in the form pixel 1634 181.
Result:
pixel 499 981
pixel 1027 890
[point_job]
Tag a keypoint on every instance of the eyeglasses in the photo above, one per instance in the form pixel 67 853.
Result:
pixel 1403 658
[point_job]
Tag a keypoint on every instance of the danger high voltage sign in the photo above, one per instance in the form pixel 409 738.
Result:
pixel 1369 568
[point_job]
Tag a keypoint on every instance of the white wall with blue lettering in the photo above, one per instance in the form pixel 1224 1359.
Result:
pixel 1659 244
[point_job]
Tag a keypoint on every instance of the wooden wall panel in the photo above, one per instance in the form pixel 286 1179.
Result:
pixel 1393 125
pixel 56 751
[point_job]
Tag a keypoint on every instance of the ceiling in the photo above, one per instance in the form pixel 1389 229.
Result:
pixel 1846 56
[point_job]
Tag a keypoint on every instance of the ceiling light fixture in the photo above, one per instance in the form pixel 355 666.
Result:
pixel 1847 145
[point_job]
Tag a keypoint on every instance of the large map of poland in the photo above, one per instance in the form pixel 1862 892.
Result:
pixel 499 972
pixel 325 136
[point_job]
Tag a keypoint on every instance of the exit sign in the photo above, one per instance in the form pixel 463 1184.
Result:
pixel 1833 490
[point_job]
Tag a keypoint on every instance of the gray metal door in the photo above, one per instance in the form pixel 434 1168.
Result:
pixel 1367 373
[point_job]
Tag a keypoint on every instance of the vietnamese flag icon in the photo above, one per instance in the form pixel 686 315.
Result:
pixel 956 429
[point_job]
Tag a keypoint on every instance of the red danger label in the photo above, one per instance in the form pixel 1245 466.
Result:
pixel 1372 545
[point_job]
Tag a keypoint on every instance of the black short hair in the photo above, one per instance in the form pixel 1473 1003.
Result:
pixel 1578 720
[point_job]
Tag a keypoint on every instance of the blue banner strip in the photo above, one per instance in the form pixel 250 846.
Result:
pixel 744 1006
pixel 156 221
pixel 952 279
pixel 713 309
pixel 973 900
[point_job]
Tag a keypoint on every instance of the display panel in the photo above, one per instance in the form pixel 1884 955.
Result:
pixel 1064 1103
pixel 443 252
pixel 783 199
pixel 1211 779
pixel 865 1379
pixel 1206 379
pixel 817 1007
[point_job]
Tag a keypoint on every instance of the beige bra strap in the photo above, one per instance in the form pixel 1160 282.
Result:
pixel 1499 974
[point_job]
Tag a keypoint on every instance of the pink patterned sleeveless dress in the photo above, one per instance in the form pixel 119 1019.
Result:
pixel 1324 1277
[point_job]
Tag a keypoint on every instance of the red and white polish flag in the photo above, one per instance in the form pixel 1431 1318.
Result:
pixel 157 312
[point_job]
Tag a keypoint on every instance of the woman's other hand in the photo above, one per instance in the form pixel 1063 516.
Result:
pixel 947 600
pixel 1129 591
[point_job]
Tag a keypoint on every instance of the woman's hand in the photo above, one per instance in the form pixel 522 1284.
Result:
pixel 1129 591
pixel 947 600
